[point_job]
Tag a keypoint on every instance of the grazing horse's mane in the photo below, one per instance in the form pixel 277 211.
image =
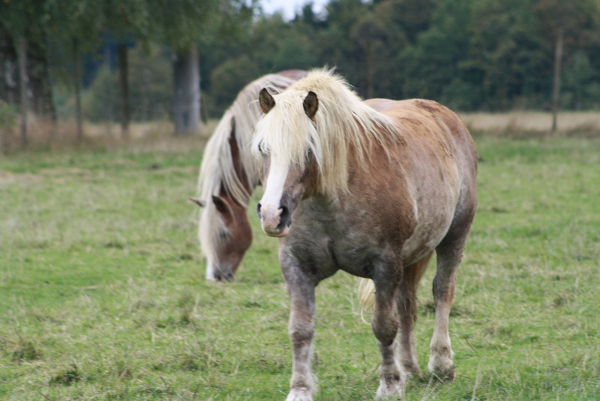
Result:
pixel 217 170
pixel 342 124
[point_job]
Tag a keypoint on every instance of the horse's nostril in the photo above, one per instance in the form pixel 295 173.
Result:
pixel 258 210
pixel 285 217
pixel 284 212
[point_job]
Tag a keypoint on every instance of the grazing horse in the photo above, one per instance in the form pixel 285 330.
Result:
pixel 228 175
pixel 372 188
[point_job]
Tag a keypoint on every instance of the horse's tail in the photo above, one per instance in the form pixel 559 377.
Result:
pixel 366 287
pixel 366 293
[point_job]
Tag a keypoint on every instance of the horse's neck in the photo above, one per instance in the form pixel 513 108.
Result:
pixel 322 208
pixel 248 178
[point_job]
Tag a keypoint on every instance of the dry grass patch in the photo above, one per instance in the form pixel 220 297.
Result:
pixel 155 136
pixel 530 121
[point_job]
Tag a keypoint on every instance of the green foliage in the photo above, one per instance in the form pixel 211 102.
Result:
pixel 64 28
pixel 181 24
pixel 103 295
pixel 8 116
pixel 468 54
pixel 149 92
pixel 581 88
pixel 444 44
pixel 227 78
pixel 23 18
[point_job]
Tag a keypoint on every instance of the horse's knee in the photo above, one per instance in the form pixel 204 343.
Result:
pixel 443 286
pixel 385 331
pixel 301 334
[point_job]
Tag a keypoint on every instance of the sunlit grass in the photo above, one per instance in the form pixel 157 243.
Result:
pixel 103 297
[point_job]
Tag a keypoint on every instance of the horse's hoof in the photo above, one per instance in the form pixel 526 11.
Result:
pixel 412 371
pixel 300 394
pixel 442 368
pixel 389 393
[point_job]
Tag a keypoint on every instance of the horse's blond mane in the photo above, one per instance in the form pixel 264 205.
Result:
pixel 217 168
pixel 342 124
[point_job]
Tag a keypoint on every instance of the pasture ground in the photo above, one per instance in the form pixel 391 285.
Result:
pixel 102 295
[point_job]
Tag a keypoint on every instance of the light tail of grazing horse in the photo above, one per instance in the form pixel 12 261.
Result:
pixel 366 293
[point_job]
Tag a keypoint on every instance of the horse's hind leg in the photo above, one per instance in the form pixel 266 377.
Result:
pixel 385 327
pixel 407 309
pixel 449 256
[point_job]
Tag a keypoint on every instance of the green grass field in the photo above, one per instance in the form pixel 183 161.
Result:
pixel 102 295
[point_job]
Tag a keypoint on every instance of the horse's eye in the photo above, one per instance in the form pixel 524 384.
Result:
pixel 309 151
pixel 260 148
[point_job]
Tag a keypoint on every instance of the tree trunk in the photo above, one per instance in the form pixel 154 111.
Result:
pixel 186 100
pixel 124 84
pixel 24 94
pixel 77 82
pixel 108 106
pixel 39 81
pixel 145 103
pixel 203 110
pixel 556 86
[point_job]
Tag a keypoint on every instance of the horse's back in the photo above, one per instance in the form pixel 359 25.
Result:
pixel 418 114
pixel 439 160
pixel 293 74
pixel 434 126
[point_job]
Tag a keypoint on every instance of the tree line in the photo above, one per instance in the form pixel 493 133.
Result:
pixel 490 55
pixel 37 33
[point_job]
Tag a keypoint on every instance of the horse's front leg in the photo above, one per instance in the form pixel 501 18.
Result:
pixel 385 325
pixel 301 289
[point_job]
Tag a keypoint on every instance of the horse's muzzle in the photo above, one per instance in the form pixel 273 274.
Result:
pixel 275 221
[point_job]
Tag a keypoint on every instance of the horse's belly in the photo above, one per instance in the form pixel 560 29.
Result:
pixel 429 231
pixel 422 243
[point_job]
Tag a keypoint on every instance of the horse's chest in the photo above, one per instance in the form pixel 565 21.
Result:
pixel 356 257
pixel 345 246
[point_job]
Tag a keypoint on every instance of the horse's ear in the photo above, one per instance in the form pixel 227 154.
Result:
pixel 265 100
pixel 311 104
pixel 198 202
pixel 223 208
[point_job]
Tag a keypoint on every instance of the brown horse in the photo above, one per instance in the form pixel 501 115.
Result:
pixel 372 188
pixel 228 175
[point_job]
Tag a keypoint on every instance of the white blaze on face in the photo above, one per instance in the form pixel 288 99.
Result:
pixel 270 203
pixel 210 270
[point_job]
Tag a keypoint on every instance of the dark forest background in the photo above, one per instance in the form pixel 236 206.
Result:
pixel 142 60
pixel 491 55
